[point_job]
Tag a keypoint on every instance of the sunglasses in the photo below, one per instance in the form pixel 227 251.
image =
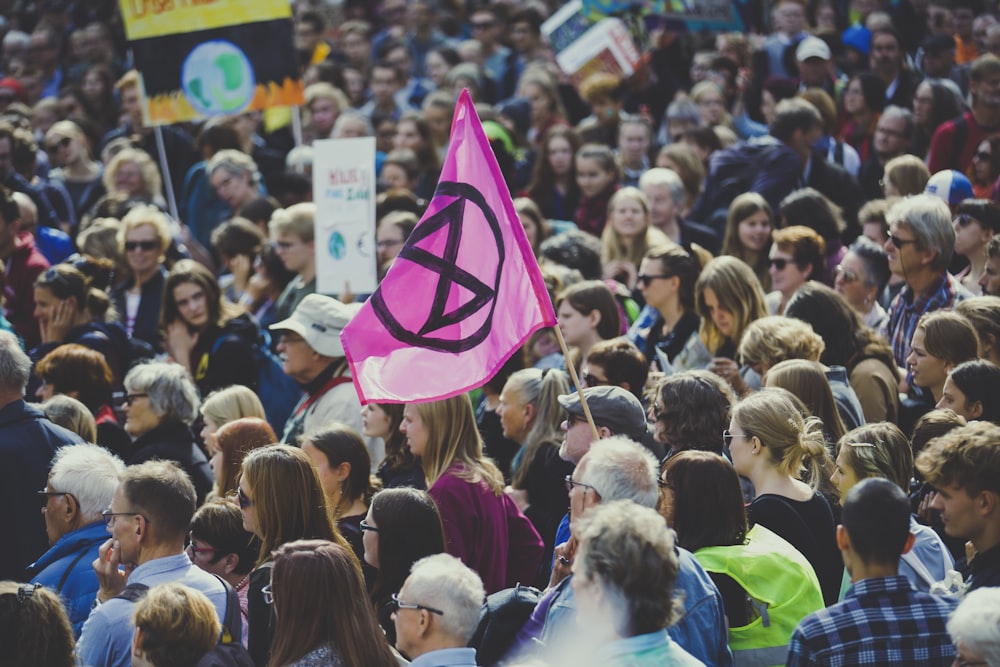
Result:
pixel 848 275
pixel 130 398
pixel 646 280
pixel 591 381
pixel 981 155
pixel 242 499
pixel 365 526
pixel 62 143
pixel 898 242
pixel 779 263
pixel 145 246
pixel 964 220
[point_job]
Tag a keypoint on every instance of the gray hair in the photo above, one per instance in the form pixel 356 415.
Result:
pixel 683 109
pixel 668 177
pixel 348 115
pixel 235 162
pixel 15 365
pixel 90 473
pixel 976 623
pixel 929 218
pixel 172 393
pixel 443 582
pixel 300 159
pixel 620 469
pixel 893 111
pixel 875 260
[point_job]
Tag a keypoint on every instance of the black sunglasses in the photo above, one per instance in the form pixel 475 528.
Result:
pixel 898 242
pixel 647 280
pixel 365 526
pixel 62 143
pixel 779 263
pixel 242 499
pixel 145 246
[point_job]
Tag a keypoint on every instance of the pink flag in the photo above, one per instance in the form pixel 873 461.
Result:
pixel 464 293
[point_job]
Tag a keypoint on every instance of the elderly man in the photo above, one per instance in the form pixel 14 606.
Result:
pixel 149 518
pixel 920 246
pixel 28 441
pixel 624 576
pixel 665 192
pixel 620 469
pixel 437 611
pixel 82 483
pixel 309 344
pixel 975 628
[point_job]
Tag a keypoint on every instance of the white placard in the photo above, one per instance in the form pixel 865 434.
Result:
pixel 344 192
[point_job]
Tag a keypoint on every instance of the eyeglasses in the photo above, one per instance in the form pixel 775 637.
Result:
pixel 145 246
pixel 109 516
pixel 364 525
pixel 242 499
pixel 385 245
pixel 267 594
pixel 848 275
pixel 283 245
pixel 898 242
pixel 728 437
pixel 191 548
pixel 656 412
pixel 570 483
pixel 43 495
pixel 62 143
pixel 130 398
pixel 981 155
pixel 778 262
pixel 572 418
pixel 964 220
pixel 399 604
pixel 591 381
pixel 645 280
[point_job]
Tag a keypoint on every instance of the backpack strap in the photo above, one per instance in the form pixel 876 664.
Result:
pixel 921 570
pixel 232 623
pixel 838 153
pixel 69 570
pixel 133 593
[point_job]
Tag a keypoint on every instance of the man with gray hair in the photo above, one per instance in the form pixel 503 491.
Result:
pixel 437 611
pixel 82 482
pixel 665 192
pixel 617 468
pixel 28 441
pixel 920 245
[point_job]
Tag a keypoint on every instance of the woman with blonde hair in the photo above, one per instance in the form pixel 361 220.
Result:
pixel 143 240
pixel 223 406
pixel 904 176
pixel 75 166
pixel 771 444
pixel 728 298
pixel 133 172
pixel 539 87
pixel 941 341
pixel 711 101
pixel 282 500
pixel 530 414
pixel 483 526
pixel 806 380
pixel 628 235
pixel 324 103
pixel 748 234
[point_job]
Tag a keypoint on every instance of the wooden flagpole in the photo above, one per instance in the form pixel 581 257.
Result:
pixel 576 383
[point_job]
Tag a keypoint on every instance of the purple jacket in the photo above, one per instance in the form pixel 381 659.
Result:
pixel 489 534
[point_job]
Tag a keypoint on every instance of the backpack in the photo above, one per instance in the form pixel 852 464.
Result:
pixel 277 391
pixel 503 614
pixel 229 652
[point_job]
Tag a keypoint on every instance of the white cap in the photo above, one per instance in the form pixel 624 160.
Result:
pixel 319 320
pixel 812 47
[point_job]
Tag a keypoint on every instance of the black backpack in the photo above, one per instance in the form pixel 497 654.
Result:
pixel 503 615
pixel 229 652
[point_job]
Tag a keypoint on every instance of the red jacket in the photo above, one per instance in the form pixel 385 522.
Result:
pixel 24 265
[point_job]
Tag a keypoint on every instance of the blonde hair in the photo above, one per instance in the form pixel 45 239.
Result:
pixel 178 624
pixel 297 220
pixel 807 381
pixel 151 179
pixel 741 208
pixel 775 338
pixel 794 443
pixel 70 129
pixel 614 246
pixel 738 291
pixel 454 438
pixel 908 174
pixel 146 215
pixel 878 450
pixel 231 403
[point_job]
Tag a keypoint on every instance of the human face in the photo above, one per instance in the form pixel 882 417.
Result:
pixel 577 438
pixel 662 210
pixel 395 176
pixel 990 281
pixel 885 53
pixel 722 318
pixel 813 72
pixel 560 156
pixel 298 358
pixel 356 48
pixel 408 624
pixel 905 258
pixel 123 528
pixel 959 512
pixel 208 435
pixel 955 399
pixel 754 232
pixel 658 291
pixel 628 217
pixel 129 179
pixel 591 611
pixel 234 189
pixel 844 476
pixel 523 38
pixel 140 418
pixel 61 149
pixel 741 448
pixel 928 371
pixel 923 104
pixel 712 107
pixel 890 137
pixel 633 142
pixel 415 430
pixel 324 114
pixel 143 258
pixel 874 231
pixel 788 279
pixel 767 106
pixel 52 511
pixel 249 513
pixel 514 415
pixel 205 556
pixel 593 375
pixel 45 305
pixel 437 69
pixel 383 85
pixel 970 236
pixel 389 241
pixel 578 501
pixel 407 136
pixel 576 327
pixel 849 281
pixel 192 304
pixel 327 474
pixel 981 161
pixel 375 422
pixel 369 538
pixel 440 121
pixel 530 229
pixel 306 37
pixel 591 177
pixel 541 106
pixel 854 99
pixel 485 28
pixel 987 91
pixel 352 128
pixel 294 253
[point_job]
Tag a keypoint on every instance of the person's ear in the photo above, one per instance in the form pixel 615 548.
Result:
pixel 843 541
pixel 910 540
pixel 976 410
pixel 988 502
pixel 529 411
pixel 594 317
pixel 230 563
pixel 72 510
pixel 604 432
pixel 342 472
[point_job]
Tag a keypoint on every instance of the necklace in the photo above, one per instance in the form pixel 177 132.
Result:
pixel 243 582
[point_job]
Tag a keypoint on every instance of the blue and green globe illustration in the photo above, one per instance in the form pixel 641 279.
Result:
pixel 217 78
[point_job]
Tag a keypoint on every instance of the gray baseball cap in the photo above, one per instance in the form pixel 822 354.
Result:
pixel 612 407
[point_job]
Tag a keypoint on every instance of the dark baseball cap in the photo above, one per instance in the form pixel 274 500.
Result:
pixel 938 43
pixel 612 407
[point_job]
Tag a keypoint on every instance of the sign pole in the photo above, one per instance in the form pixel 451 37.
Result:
pixel 576 383
pixel 168 183
pixel 297 125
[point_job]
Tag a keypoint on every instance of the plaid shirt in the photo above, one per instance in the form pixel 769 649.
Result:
pixel 880 621
pixel 905 312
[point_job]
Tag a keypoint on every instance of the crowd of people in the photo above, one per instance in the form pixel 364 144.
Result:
pixel 773 254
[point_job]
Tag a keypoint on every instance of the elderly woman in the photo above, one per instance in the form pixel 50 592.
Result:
pixel 860 277
pixel 161 403
pixel 143 239
pixel 235 178
pixel 133 173
pixel 324 103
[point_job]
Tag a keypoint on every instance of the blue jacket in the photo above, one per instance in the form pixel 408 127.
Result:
pixel 68 569
pixel 27 443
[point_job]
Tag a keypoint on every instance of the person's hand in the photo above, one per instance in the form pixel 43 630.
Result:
pixel 519 496
pixel 110 576
pixel 924 511
pixel 180 341
pixel 242 268
pixel 56 327
pixel 623 270
pixel 970 551
pixel 729 370
pixel 347 296
pixel 563 565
